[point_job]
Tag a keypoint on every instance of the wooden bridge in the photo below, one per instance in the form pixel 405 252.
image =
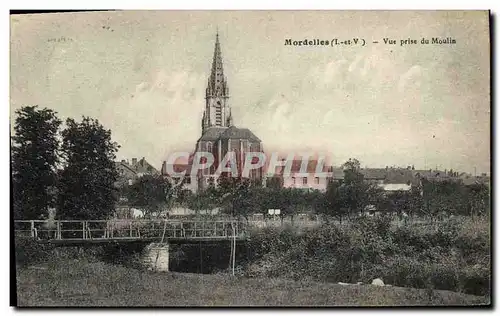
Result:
pixel 70 232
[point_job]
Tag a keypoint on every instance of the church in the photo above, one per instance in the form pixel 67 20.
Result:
pixel 219 135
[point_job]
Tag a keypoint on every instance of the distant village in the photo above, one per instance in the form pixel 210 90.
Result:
pixel 220 136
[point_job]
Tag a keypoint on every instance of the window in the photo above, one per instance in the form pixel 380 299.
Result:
pixel 209 146
pixel 316 180
pixel 188 180
pixel 293 180
pixel 304 180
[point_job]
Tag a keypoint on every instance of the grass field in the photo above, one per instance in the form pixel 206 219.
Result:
pixel 81 283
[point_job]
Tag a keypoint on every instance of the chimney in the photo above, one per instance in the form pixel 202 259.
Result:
pixel 123 160
pixel 134 161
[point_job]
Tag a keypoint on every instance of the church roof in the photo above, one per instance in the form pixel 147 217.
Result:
pixel 212 133
pixel 234 132
pixel 216 132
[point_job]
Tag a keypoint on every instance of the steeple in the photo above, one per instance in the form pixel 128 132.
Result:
pixel 217 92
pixel 217 82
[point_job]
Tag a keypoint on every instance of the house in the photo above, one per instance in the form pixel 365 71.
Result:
pixel 126 174
pixel 469 180
pixel 142 167
pixel 309 179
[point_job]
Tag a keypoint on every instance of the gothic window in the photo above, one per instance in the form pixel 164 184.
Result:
pixel 304 180
pixel 293 180
pixel 209 147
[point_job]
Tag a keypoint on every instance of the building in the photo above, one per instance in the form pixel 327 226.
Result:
pixel 142 167
pixel 390 179
pixel 307 180
pixel 219 135
pixel 128 173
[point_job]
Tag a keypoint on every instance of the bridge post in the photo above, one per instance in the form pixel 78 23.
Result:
pixel 156 256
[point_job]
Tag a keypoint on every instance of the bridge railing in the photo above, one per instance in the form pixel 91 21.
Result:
pixel 126 229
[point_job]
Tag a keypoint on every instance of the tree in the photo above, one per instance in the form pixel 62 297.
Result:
pixel 398 202
pixel 239 196
pixel 354 192
pixel 275 182
pixel 150 194
pixel 479 199
pixel 204 200
pixel 350 195
pixel 34 159
pixel 332 204
pixel 86 187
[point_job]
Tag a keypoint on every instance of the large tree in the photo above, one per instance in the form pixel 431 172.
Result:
pixel 351 195
pixel 332 203
pixel 239 196
pixel 87 188
pixel 151 194
pixel 204 200
pixel 34 159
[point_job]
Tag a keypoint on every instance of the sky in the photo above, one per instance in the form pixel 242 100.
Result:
pixel 143 75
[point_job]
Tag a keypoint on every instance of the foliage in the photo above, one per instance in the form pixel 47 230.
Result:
pixel 150 194
pixel 34 159
pixel 349 196
pixel 453 255
pixel 452 197
pixel 87 182
pixel 28 251
pixel 207 199
pixel 274 182
pixel 238 196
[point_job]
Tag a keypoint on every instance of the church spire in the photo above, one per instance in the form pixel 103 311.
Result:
pixel 217 82
pixel 217 111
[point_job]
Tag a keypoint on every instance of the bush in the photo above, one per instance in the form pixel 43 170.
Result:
pixel 448 256
pixel 28 251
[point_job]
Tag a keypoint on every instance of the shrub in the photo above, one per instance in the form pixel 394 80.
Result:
pixel 28 251
pixel 450 256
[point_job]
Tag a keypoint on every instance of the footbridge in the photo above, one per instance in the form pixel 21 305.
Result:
pixel 79 232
